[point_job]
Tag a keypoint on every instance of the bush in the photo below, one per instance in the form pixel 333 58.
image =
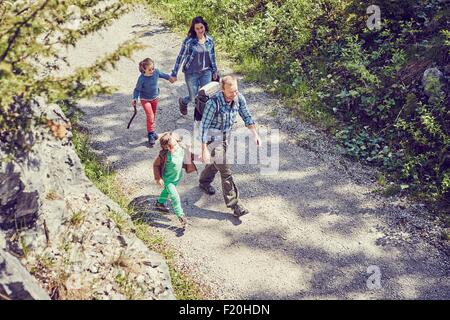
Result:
pixel 325 58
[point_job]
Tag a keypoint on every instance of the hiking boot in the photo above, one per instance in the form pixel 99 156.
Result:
pixel 161 207
pixel 239 210
pixel 209 189
pixel 183 221
pixel 183 107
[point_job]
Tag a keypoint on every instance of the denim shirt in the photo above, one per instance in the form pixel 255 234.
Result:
pixel 215 122
pixel 147 86
pixel 187 54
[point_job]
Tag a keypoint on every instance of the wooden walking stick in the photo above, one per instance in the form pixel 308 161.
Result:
pixel 134 115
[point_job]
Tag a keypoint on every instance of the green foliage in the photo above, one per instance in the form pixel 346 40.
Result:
pixel 323 58
pixel 77 218
pixel 33 35
pixel 130 288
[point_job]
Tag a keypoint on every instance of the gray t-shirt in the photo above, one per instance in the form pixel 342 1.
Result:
pixel 201 59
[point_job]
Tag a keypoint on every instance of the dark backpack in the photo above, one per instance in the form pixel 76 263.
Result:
pixel 203 96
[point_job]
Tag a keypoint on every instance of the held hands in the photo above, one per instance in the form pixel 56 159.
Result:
pixel 172 79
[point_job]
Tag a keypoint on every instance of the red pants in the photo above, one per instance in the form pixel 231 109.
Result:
pixel 150 112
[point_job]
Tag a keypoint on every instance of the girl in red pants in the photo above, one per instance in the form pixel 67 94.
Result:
pixel 147 90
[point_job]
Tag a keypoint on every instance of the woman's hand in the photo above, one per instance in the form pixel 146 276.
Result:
pixel 257 140
pixel 160 182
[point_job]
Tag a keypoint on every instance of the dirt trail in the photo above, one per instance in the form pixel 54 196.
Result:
pixel 315 227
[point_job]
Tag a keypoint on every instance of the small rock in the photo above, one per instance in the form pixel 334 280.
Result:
pixel 122 240
pixel 140 279
pixel 152 264
pixel 429 76
pixel 108 288
pixel 93 269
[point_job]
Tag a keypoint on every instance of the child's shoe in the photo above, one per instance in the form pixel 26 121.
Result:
pixel 161 207
pixel 151 139
pixel 183 221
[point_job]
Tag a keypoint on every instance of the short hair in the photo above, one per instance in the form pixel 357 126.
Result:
pixel 228 80
pixel 144 64
pixel 169 139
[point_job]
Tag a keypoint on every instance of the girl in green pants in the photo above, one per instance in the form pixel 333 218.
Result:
pixel 168 171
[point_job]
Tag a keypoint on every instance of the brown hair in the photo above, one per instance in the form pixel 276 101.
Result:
pixel 144 64
pixel 198 19
pixel 169 139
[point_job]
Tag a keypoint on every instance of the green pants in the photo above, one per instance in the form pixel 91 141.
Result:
pixel 170 191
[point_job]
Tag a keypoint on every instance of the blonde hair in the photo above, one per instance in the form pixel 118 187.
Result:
pixel 228 80
pixel 144 64
pixel 169 139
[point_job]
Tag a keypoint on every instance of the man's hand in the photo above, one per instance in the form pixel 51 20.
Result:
pixel 133 103
pixel 160 182
pixel 206 156
pixel 256 137
pixel 215 76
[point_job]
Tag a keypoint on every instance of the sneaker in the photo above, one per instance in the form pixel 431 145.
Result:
pixel 239 210
pixel 151 139
pixel 183 221
pixel 209 189
pixel 161 207
pixel 183 107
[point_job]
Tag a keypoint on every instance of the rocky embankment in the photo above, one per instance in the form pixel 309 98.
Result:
pixel 58 233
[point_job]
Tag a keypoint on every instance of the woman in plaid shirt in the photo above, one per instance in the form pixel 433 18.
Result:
pixel 197 54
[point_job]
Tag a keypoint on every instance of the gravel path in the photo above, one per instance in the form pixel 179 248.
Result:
pixel 315 227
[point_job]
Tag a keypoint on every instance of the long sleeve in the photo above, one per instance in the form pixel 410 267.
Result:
pixel 244 112
pixel 163 75
pixel 181 56
pixel 157 168
pixel 138 88
pixel 208 116
pixel 213 58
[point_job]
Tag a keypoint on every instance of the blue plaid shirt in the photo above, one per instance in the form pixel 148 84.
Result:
pixel 187 54
pixel 211 124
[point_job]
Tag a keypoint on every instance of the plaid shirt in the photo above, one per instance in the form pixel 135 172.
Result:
pixel 215 123
pixel 187 54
